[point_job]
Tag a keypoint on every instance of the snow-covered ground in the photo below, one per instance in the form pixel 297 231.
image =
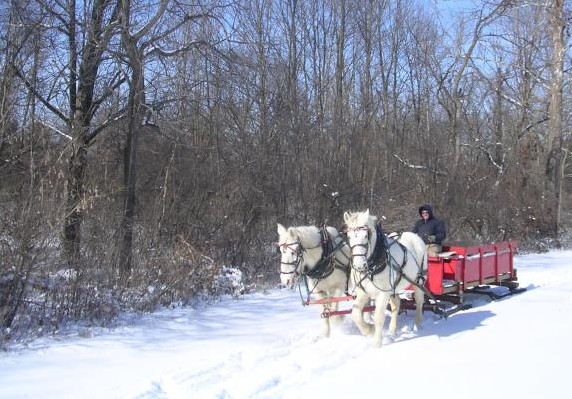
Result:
pixel 266 346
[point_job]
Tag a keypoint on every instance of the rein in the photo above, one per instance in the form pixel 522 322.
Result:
pixel 420 280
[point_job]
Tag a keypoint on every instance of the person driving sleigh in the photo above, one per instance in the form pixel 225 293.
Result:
pixel 431 230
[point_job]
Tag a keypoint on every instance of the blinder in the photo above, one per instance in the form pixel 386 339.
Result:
pixel 343 232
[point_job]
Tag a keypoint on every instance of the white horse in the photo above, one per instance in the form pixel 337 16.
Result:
pixel 319 256
pixel 382 268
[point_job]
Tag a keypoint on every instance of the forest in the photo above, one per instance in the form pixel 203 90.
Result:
pixel 148 147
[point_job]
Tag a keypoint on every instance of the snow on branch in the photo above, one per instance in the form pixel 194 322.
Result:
pixel 419 167
pixel 67 136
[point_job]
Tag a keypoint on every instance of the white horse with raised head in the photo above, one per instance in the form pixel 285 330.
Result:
pixel 319 257
pixel 382 268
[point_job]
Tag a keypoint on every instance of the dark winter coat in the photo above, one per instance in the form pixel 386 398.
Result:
pixel 431 231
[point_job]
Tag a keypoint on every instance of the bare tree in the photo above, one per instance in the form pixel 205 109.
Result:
pixel 142 42
pixel 83 79
pixel 85 49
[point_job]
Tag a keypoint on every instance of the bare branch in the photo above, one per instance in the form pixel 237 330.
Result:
pixel 152 22
pixel 41 98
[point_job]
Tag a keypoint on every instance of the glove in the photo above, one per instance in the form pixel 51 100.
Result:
pixel 431 239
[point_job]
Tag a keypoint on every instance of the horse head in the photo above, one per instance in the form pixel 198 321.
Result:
pixel 361 236
pixel 290 250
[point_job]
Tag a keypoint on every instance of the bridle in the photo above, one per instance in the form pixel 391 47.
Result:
pixel 376 261
pixel 361 245
pixel 296 248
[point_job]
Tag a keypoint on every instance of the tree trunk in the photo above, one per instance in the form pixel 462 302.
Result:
pixel 135 58
pixel 74 213
pixel 554 165
pixel 135 119
pixel 136 99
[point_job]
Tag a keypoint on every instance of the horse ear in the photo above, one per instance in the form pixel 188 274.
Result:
pixel 281 229
pixel 346 217
pixel 367 213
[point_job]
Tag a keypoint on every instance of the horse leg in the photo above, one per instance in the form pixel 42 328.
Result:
pixel 334 306
pixel 419 297
pixel 357 313
pixel 379 318
pixel 395 304
pixel 326 320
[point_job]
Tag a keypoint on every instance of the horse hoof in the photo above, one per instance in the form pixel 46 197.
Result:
pixel 388 340
pixel 367 329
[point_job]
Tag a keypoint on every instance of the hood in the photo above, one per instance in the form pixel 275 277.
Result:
pixel 427 208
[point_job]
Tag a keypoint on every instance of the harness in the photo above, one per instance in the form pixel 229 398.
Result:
pixel 327 262
pixel 381 258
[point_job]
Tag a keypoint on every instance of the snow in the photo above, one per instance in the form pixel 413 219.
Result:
pixel 265 345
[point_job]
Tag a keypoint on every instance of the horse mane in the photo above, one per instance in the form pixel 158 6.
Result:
pixel 309 236
pixel 361 219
